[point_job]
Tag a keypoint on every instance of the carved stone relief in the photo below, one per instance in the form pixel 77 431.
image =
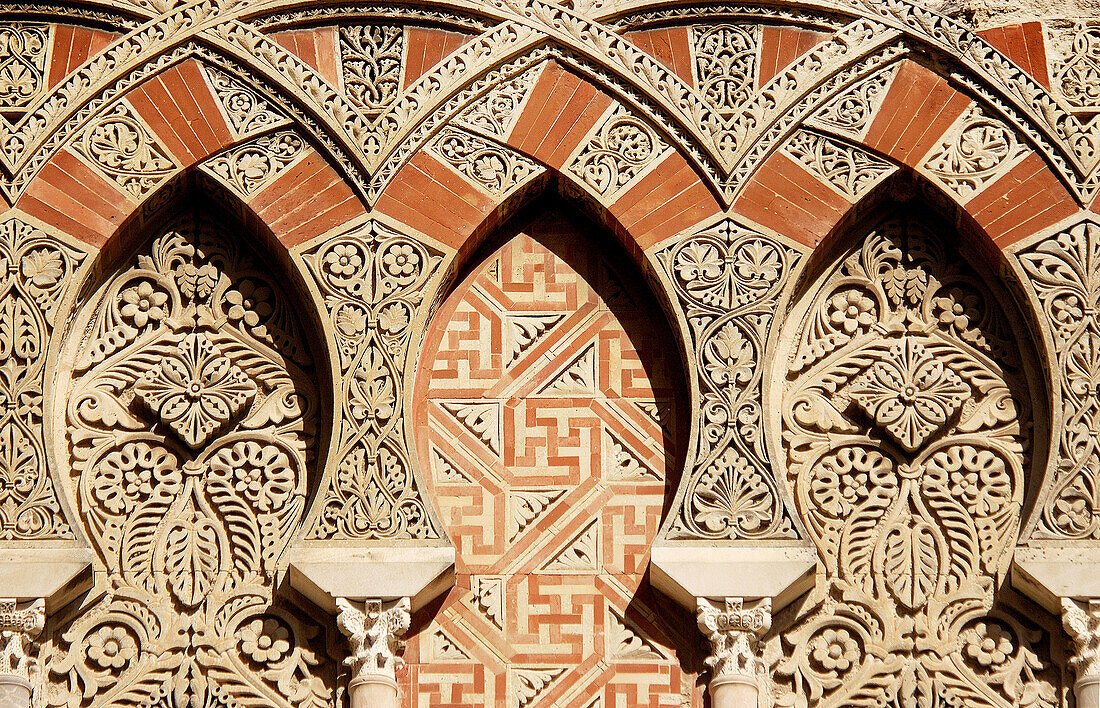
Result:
pixel 23 51
pixel 908 444
pixel 975 151
pixel 621 147
pixel 38 271
pixel 190 416
pixel 1074 58
pixel 1062 271
pixel 372 281
pixel 851 171
pixel 726 64
pixel 497 169
pixel 119 146
pixel 371 57
pixel 495 113
pixel 850 113
pixel 251 166
pixel 728 279
pixel 245 111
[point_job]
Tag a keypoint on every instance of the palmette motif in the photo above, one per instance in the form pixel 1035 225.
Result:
pixel 907 441
pixel 191 418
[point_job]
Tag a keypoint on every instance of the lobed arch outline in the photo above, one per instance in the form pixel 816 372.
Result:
pixel 1058 134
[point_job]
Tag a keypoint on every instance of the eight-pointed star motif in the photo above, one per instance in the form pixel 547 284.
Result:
pixel 909 393
pixel 195 390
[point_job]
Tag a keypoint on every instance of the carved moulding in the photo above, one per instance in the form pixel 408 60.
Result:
pixel 371 533
pixel 186 415
pixel 729 531
pixel 908 426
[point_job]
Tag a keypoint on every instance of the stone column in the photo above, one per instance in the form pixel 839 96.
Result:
pixel 1081 618
pixel 19 626
pixel 734 628
pixel 374 633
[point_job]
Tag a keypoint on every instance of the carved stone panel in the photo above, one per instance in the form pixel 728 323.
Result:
pixel 188 412
pixel 908 444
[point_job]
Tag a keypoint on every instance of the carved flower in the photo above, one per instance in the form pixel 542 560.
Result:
pixel 988 644
pixel 401 259
pixel 1072 513
pixel 957 312
pixel 393 318
pixel 42 267
pixel 343 260
pixel 265 640
pixel 144 303
pixel 909 393
pixel 698 260
pixel 249 303
pixel 730 358
pixel 129 471
pixel 757 260
pixel 351 321
pixel 262 474
pixel 195 390
pixel 851 310
pixel 111 647
pixel 834 650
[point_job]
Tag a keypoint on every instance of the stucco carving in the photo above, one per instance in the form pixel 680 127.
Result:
pixel 190 418
pixel 908 446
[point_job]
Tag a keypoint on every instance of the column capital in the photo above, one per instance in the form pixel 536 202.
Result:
pixel 20 624
pixel 375 633
pixel 734 627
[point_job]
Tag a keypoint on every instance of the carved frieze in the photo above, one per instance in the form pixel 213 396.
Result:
pixel 907 442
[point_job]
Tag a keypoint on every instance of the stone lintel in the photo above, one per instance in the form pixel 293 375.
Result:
pixel 1047 572
pixel 54 572
pixel 325 572
pixel 687 571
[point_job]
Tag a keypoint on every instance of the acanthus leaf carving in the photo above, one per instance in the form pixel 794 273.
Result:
pixel 620 148
pixel 373 280
pixel 498 169
pixel 853 172
pixel 727 279
pixel 495 113
pixel 119 145
pixel 20 625
pixel 975 151
pixel 371 58
pixel 374 633
pixel 734 628
pixel 250 167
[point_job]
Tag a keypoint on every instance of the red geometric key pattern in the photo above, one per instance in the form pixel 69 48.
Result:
pixel 546 397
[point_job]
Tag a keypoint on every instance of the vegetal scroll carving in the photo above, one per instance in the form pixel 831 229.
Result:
pixel 621 148
pixel 122 148
pixel 727 279
pixel 23 50
pixel 373 283
pixel 371 57
pixel 1064 274
pixel 907 442
pixel 190 418
pixel 38 271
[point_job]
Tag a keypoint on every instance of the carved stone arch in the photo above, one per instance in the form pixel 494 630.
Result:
pixel 188 408
pixel 909 420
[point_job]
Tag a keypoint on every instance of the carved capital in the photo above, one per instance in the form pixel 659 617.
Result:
pixel 20 624
pixel 734 628
pixel 1081 620
pixel 375 633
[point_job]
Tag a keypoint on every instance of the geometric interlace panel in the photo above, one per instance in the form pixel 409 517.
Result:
pixel 546 397
pixel 908 443
pixel 190 419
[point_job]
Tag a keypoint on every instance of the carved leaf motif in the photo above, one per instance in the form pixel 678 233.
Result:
pixel 911 561
pixel 191 558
